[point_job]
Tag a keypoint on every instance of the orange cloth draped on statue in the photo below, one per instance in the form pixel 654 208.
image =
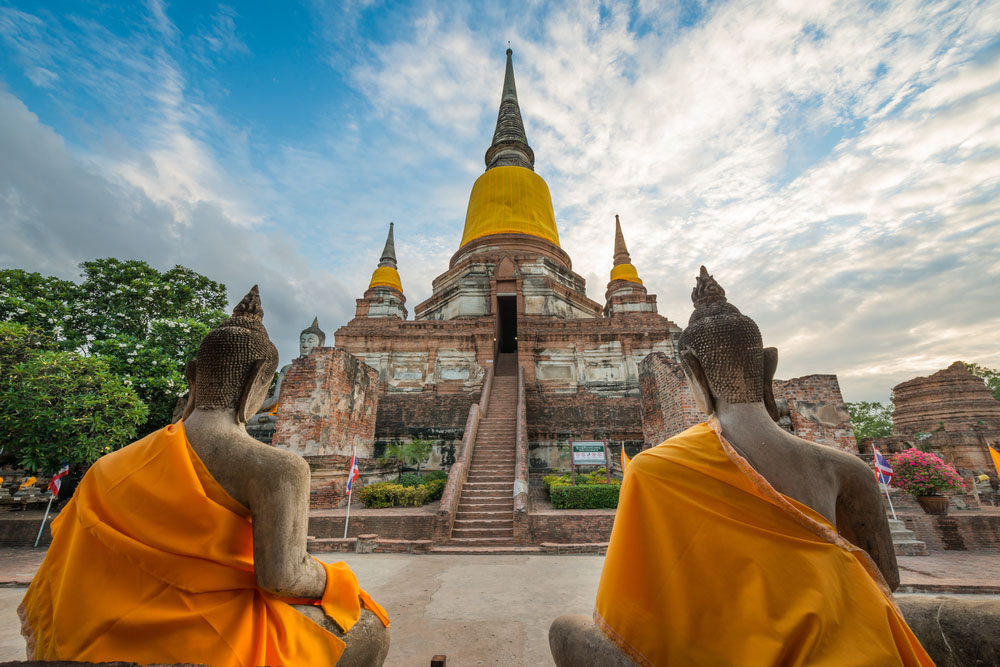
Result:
pixel 709 565
pixel 152 561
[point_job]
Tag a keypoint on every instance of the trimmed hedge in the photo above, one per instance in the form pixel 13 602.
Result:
pixel 584 496
pixel 390 494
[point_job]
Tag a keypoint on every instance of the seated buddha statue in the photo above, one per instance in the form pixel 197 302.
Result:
pixel 310 338
pixel 738 543
pixel 189 545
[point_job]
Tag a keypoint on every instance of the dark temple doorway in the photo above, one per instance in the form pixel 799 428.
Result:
pixel 507 325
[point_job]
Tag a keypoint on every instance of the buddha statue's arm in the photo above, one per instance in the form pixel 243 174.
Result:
pixel 272 397
pixel 280 509
pixel 861 519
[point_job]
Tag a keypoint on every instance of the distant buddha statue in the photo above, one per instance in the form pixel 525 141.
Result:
pixel 310 338
pixel 738 543
pixel 189 546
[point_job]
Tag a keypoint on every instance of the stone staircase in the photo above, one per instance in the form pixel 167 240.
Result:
pixel 905 541
pixel 484 520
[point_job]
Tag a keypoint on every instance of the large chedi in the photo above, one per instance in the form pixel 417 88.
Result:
pixel 510 298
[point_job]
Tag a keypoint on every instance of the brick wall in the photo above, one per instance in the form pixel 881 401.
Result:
pixel 414 525
pixel 328 478
pixel 966 531
pixel 816 407
pixel 818 411
pixel 329 402
pixel 572 527
pixel 553 419
pixel 667 404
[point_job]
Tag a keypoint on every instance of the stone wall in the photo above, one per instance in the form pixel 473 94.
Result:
pixel 956 531
pixel 329 401
pixel 816 407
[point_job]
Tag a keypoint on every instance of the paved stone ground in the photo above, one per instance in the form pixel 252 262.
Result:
pixel 488 610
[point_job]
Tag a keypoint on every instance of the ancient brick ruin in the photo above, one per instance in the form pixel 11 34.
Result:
pixel 951 413
pixel 815 407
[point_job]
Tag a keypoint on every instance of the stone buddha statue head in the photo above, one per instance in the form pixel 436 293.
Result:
pixel 235 363
pixel 722 351
pixel 311 338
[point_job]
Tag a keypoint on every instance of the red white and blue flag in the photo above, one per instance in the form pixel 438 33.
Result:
pixel 354 473
pixel 883 471
pixel 56 480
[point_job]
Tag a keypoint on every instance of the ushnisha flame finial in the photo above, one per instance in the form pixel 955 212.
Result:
pixel 707 290
pixel 250 306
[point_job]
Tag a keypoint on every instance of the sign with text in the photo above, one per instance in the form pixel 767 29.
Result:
pixel 589 452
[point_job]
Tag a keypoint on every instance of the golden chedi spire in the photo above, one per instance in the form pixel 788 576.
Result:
pixel 623 269
pixel 385 274
pixel 510 198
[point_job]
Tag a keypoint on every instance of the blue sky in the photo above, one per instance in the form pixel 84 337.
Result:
pixel 836 165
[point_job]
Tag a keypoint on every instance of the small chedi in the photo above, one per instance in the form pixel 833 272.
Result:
pixel 736 538
pixel 184 548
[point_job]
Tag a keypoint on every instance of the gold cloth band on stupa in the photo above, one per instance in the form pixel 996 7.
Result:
pixel 625 272
pixel 386 276
pixel 510 200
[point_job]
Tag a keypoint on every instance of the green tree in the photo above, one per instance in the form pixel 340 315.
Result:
pixel 871 419
pixel 989 375
pixel 60 406
pixel 144 323
pixel 419 451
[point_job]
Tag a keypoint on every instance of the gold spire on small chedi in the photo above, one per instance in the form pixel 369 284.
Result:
pixel 384 297
pixel 626 292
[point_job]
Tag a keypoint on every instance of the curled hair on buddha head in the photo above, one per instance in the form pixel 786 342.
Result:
pixel 727 346
pixel 233 358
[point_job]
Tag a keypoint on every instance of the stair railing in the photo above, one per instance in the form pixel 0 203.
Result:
pixel 522 529
pixel 460 469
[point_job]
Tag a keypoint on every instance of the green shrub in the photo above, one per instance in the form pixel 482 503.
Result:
pixel 60 407
pixel 555 480
pixel 410 479
pixel 435 488
pixel 391 494
pixel 435 474
pixel 585 496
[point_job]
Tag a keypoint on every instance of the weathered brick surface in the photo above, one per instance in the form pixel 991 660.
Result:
pixel 329 402
pixel 328 478
pixel 667 406
pixel 571 526
pixel 816 406
pixel 415 525
pixel 965 531
pixel 950 413
pixel 818 411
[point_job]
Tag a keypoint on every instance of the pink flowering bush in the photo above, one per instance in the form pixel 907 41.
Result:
pixel 924 474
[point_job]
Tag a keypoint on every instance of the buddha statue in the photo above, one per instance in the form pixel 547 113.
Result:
pixel 310 338
pixel 734 541
pixel 189 545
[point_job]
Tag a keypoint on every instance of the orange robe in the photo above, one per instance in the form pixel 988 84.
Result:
pixel 152 561
pixel 709 565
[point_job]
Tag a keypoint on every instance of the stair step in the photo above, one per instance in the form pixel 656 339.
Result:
pixel 461 515
pixel 500 506
pixel 459 549
pixel 483 533
pixel 480 541
pixel 501 524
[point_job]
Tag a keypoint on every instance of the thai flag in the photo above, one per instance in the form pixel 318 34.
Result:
pixel 56 480
pixel 883 471
pixel 354 473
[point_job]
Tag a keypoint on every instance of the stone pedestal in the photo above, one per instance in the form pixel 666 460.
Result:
pixel 328 405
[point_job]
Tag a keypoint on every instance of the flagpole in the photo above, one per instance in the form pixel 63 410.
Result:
pixel 350 488
pixel 348 517
pixel 44 518
pixel 884 488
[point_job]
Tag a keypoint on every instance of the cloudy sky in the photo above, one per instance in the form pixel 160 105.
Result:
pixel 836 165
